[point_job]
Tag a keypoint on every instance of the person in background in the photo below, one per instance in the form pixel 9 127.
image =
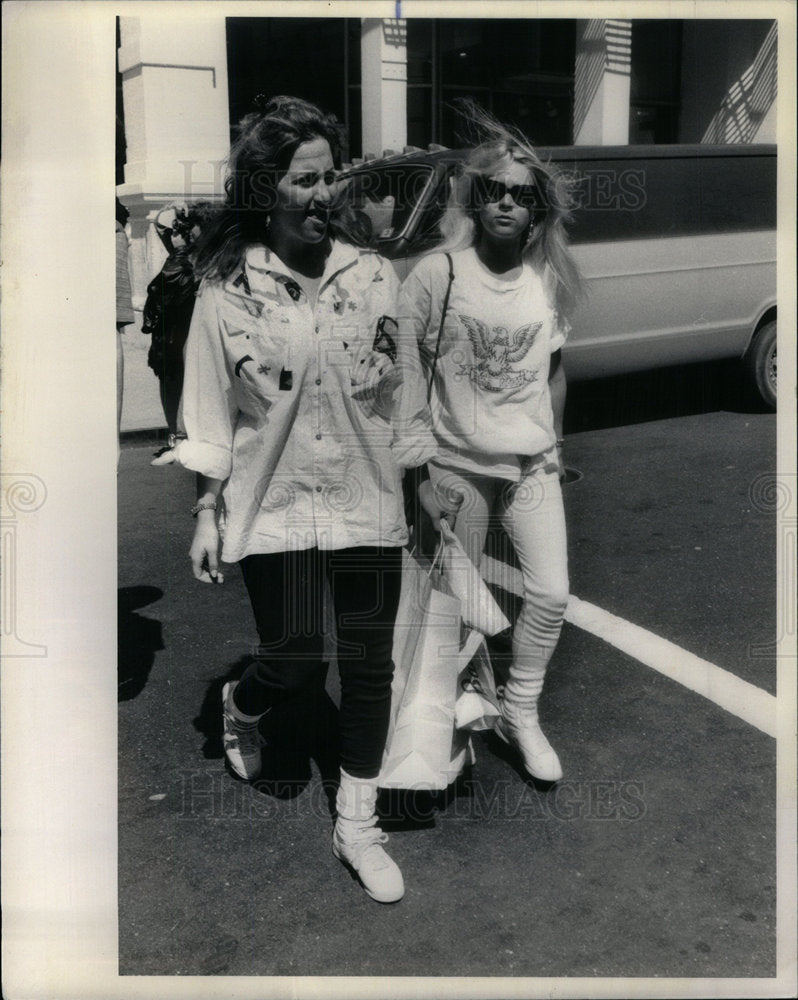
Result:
pixel 497 392
pixel 170 302
pixel 124 308
pixel 287 404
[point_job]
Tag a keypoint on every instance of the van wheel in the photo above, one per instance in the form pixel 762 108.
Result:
pixel 760 364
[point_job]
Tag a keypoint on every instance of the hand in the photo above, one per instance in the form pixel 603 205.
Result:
pixel 204 552
pixel 165 457
pixel 170 452
pixel 438 505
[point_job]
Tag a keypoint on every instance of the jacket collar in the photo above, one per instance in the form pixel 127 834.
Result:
pixel 260 258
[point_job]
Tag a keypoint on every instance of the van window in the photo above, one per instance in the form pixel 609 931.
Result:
pixel 746 197
pixel 660 196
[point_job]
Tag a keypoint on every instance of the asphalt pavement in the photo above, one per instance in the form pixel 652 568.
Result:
pixel 654 857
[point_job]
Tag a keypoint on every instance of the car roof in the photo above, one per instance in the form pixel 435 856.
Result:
pixel 435 154
pixel 411 154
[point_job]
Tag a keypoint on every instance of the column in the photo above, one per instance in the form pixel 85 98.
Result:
pixel 602 82
pixel 173 63
pixel 383 56
pixel 174 88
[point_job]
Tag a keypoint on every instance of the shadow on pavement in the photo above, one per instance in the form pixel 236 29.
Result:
pixel 638 397
pixel 401 809
pixel 294 733
pixel 138 639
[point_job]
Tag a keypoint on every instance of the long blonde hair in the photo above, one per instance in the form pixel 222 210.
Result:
pixel 547 249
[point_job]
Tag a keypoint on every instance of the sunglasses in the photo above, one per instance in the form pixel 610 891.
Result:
pixel 527 196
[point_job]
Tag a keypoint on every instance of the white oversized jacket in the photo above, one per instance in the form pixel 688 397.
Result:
pixel 272 405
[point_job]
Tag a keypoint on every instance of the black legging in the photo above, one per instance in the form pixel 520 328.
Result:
pixel 286 590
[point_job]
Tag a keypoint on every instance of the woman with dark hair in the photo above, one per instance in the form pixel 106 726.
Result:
pixel 489 313
pixel 287 406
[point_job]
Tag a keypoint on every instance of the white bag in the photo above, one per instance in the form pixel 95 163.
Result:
pixel 478 705
pixel 424 750
pixel 478 606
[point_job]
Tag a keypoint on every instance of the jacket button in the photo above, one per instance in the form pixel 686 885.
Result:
pixel 318 381
pixel 318 489
pixel 318 437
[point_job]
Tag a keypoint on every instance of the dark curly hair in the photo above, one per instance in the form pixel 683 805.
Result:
pixel 265 144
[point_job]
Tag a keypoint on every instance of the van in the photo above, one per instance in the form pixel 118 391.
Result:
pixel 677 244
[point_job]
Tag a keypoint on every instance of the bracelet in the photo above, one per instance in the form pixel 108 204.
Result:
pixel 560 442
pixel 203 506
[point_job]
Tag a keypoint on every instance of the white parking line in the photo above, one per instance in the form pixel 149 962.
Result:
pixel 725 689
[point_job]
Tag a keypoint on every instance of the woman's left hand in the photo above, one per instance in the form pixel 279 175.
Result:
pixel 165 457
pixel 437 503
pixel 204 552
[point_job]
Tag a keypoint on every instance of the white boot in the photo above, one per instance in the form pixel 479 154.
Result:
pixel 519 726
pixel 357 840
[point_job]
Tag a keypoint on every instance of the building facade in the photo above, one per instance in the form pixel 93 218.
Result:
pixel 183 83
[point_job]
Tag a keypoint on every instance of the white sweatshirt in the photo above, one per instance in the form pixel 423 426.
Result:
pixel 490 406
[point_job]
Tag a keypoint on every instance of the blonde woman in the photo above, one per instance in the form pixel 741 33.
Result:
pixel 490 316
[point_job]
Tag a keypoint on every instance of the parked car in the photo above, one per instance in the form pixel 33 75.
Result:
pixel 677 243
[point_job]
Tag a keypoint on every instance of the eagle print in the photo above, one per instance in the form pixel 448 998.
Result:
pixel 494 353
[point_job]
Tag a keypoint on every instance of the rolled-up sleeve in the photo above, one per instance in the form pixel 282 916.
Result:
pixel 209 408
pixel 414 441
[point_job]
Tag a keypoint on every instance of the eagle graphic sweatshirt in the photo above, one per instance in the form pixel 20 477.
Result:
pixel 490 407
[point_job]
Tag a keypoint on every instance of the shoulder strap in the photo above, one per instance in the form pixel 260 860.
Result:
pixel 440 328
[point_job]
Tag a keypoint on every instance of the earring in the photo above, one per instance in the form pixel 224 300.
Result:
pixel 530 232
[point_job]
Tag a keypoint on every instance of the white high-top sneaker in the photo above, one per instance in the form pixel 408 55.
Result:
pixel 242 740
pixel 357 840
pixel 520 728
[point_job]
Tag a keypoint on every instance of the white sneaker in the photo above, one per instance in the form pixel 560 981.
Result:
pixel 242 741
pixel 358 844
pixel 537 753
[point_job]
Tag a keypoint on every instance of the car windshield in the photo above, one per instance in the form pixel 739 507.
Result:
pixel 384 199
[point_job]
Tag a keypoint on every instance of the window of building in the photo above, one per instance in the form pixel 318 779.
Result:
pixel 421 63
pixel 353 116
pixel 655 105
pixel 520 69
pixel 317 59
